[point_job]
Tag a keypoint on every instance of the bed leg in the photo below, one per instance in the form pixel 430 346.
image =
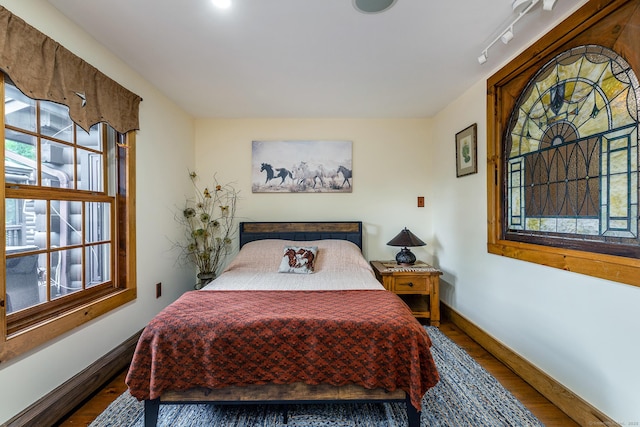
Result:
pixel 413 415
pixel 151 409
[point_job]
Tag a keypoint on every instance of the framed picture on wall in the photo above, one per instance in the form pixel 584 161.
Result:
pixel 467 151
pixel 301 166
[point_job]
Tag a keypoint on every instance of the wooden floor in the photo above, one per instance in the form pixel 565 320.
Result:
pixel 546 412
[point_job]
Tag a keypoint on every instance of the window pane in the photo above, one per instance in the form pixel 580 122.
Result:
pixel 98 261
pixel 90 140
pixel 57 164
pixel 66 272
pixel 15 230
pixel 12 212
pixel 55 121
pixel 97 222
pixel 21 220
pixel 66 223
pixel 90 171
pixel 23 282
pixel 19 111
pixel 116 158
pixel 20 158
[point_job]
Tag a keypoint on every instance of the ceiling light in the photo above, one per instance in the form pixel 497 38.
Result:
pixel 519 5
pixel 522 7
pixel 222 4
pixel 507 36
pixel 373 6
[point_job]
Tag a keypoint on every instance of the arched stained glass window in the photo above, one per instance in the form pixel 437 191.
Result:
pixel 571 155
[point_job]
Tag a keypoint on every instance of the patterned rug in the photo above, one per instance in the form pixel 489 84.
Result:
pixel 467 395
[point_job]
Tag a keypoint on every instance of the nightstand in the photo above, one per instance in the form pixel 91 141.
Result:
pixel 418 285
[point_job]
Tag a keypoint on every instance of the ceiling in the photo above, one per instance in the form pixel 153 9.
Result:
pixel 309 58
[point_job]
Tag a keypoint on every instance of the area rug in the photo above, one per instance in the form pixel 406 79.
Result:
pixel 467 395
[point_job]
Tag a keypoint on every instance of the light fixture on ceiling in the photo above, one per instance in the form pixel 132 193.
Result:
pixel 373 6
pixel 222 4
pixel 507 36
pixel 521 7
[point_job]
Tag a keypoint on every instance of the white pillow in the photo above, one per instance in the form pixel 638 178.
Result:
pixel 298 259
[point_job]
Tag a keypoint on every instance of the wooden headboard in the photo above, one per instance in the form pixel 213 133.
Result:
pixel 345 230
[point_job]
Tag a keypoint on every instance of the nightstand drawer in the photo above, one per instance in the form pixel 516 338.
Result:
pixel 411 284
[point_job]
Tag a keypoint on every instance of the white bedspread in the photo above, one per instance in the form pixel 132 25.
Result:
pixel 326 281
pixel 339 266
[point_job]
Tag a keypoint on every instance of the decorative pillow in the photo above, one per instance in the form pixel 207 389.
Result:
pixel 298 259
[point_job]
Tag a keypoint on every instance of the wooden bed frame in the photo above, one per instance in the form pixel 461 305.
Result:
pixel 297 393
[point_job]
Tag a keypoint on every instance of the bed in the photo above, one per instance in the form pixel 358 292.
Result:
pixel 268 330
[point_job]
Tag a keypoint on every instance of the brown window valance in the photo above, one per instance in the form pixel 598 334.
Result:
pixel 43 69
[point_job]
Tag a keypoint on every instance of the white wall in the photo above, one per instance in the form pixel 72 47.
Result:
pixel 580 330
pixel 391 165
pixel 164 144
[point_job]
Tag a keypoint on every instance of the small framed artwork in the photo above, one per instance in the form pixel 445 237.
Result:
pixel 467 151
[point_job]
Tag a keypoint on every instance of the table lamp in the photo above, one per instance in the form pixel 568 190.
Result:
pixel 406 238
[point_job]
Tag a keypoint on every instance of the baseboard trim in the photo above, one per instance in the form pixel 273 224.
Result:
pixel 57 404
pixel 571 404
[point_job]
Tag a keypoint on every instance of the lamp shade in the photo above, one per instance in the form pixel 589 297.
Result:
pixel 406 238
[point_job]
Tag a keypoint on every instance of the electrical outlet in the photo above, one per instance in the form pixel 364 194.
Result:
pixel 420 201
pixel 158 290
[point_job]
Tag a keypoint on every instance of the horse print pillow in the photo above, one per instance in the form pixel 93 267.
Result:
pixel 298 259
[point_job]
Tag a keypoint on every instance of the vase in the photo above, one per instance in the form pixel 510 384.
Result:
pixel 204 278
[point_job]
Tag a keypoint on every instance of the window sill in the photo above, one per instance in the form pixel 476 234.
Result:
pixel 40 333
pixel 609 267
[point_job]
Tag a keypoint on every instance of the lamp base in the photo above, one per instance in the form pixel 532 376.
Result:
pixel 405 257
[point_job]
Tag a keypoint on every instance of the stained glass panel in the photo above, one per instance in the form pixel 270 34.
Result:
pixel 572 152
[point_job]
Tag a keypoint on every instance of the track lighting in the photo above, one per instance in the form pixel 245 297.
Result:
pixel 521 7
pixel 507 36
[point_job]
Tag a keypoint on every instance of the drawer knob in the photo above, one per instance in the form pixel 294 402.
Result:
pixel 410 284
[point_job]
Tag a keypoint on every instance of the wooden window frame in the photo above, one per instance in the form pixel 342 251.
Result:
pixel 604 22
pixel 33 327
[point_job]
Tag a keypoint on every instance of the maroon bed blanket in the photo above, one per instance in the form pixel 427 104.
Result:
pixel 215 339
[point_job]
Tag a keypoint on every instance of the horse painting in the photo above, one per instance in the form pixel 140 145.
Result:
pixel 310 166
pixel 281 173
pixel 346 173
pixel 303 174
pixel 330 176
